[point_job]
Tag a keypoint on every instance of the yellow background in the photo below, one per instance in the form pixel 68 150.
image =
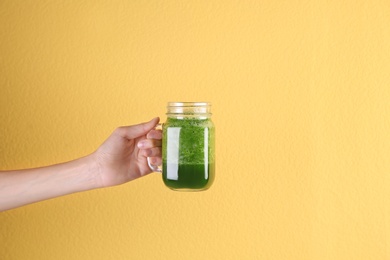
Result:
pixel 301 102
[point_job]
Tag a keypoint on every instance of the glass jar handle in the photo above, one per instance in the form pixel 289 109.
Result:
pixel 155 168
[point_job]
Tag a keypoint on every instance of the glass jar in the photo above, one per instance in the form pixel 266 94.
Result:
pixel 188 146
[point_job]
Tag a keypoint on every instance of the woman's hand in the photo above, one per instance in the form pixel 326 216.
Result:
pixel 123 156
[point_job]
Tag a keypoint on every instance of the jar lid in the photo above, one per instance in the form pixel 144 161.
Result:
pixel 189 107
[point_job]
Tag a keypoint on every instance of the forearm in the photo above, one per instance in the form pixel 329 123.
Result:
pixel 21 187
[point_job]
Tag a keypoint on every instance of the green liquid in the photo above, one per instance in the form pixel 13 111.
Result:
pixel 190 176
pixel 188 154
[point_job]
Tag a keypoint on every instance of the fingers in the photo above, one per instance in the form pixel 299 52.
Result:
pixel 154 134
pixel 153 140
pixel 151 147
pixel 148 143
pixel 152 152
pixel 134 131
pixel 155 160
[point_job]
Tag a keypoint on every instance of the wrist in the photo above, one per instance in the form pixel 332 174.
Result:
pixel 93 171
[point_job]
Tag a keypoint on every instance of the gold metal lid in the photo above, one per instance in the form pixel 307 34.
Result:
pixel 189 108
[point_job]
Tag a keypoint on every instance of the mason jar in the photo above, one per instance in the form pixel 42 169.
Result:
pixel 188 147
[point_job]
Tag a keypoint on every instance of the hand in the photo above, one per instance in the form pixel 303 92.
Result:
pixel 123 156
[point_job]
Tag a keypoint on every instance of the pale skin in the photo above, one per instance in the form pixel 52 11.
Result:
pixel 120 159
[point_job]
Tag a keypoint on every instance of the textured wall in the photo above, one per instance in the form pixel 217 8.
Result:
pixel 301 94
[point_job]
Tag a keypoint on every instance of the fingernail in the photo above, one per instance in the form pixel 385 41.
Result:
pixel 141 144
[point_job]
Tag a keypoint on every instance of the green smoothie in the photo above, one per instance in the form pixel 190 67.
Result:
pixel 188 153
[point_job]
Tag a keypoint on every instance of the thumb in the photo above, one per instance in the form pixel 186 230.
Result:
pixel 134 131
